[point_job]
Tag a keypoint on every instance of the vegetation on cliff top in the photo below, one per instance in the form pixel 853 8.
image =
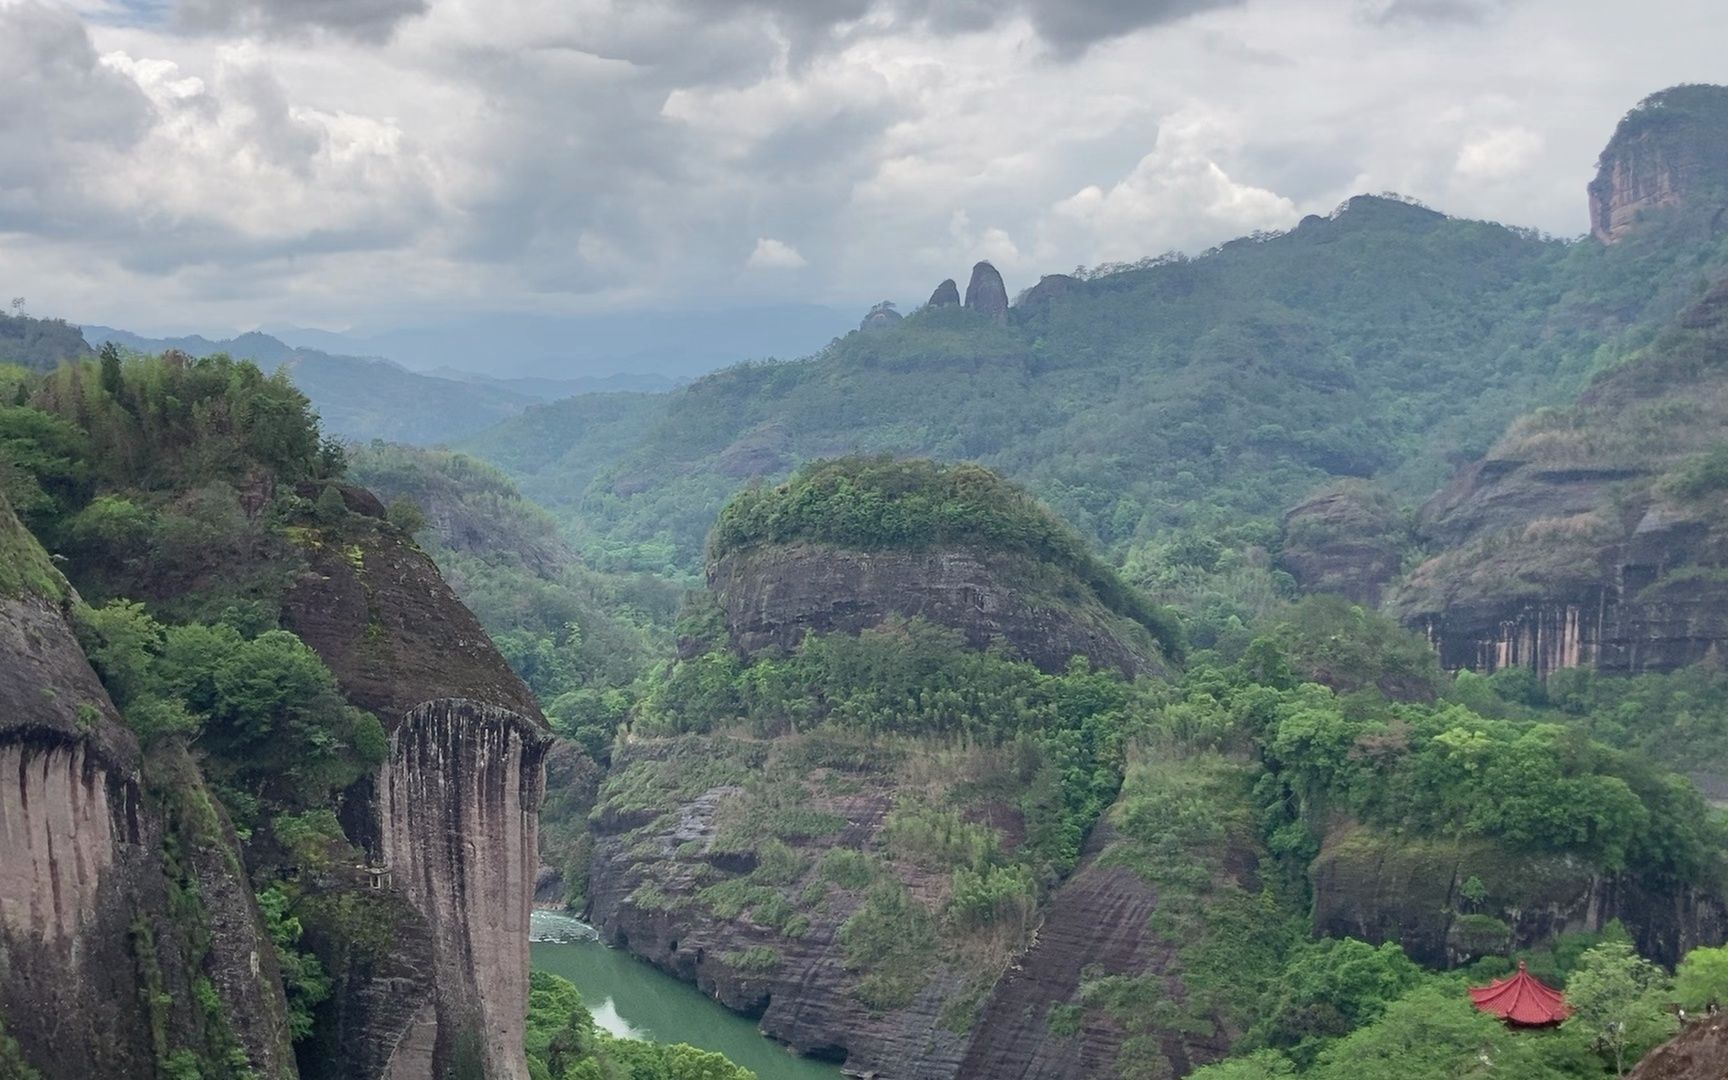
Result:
pixel 883 503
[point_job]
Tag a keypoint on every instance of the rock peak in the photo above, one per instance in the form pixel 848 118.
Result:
pixel 986 294
pixel 1671 150
pixel 947 294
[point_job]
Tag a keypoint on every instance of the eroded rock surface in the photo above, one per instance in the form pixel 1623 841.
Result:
pixel 452 815
pixel 1375 886
pixel 773 596
pixel 1670 151
pixel 1700 1052
pixel 1577 541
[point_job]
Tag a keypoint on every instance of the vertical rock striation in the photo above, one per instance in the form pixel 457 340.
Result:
pixel 1670 151
pixel 452 815
pixel 97 967
pixel 458 801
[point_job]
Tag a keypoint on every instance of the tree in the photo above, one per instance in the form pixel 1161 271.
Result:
pixel 330 509
pixel 1260 1065
pixel 406 515
pixel 112 380
pixel 1619 1002
pixel 1434 1033
pixel 1702 978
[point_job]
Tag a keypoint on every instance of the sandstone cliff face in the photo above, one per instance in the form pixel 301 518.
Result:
pixel 1378 887
pixel 1672 150
pixel 1096 924
pixel 453 812
pixel 87 930
pixel 773 596
pixel 673 882
pixel 1578 541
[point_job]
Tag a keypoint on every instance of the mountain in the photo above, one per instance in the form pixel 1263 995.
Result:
pixel 1378 342
pixel 39 344
pixel 672 343
pixel 357 397
pixel 1591 535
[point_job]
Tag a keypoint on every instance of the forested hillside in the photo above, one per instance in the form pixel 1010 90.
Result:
pixel 1386 341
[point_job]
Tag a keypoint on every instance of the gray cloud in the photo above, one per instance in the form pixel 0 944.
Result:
pixel 1464 12
pixel 1069 27
pixel 363 20
pixel 59 106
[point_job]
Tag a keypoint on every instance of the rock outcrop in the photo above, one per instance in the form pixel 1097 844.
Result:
pixel 1591 536
pixel 1346 539
pixel 453 813
pixel 1040 298
pixel 947 294
pixel 1670 151
pixel 98 965
pixel 1376 886
pixel 986 294
pixel 1699 1052
pixel 881 317
pixel 673 883
pixel 1096 924
pixel 773 596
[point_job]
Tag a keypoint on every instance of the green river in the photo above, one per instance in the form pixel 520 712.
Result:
pixel 630 997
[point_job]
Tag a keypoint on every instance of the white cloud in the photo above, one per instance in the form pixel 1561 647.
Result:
pixel 772 254
pixel 1176 196
pixel 1498 154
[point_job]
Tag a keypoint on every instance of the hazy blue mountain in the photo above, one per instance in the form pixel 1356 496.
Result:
pixel 672 343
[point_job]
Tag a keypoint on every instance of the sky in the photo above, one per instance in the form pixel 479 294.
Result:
pixel 215 165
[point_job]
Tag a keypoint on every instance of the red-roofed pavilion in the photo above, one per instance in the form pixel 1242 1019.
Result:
pixel 1522 1000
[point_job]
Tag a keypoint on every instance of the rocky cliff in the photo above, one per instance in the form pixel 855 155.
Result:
pixel 946 294
pixel 737 865
pixel 1346 539
pixel 1591 536
pixel 1670 151
pixel 453 814
pixel 772 596
pixel 128 931
pixel 1379 887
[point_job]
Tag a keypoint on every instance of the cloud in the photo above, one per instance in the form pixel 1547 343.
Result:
pixel 1068 27
pixel 61 110
pixel 1498 154
pixel 364 20
pixel 772 254
pixel 1434 11
pixel 1177 196
pixel 261 160
pixel 1073 26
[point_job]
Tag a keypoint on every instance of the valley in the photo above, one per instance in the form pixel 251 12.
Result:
pixel 1207 667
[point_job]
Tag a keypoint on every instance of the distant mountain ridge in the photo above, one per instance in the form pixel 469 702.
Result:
pixel 371 397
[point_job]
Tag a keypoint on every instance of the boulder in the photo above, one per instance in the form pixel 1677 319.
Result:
pixel 947 294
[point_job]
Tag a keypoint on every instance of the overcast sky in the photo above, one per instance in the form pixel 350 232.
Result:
pixel 218 164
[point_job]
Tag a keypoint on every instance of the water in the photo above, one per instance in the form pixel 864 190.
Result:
pixel 633 999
